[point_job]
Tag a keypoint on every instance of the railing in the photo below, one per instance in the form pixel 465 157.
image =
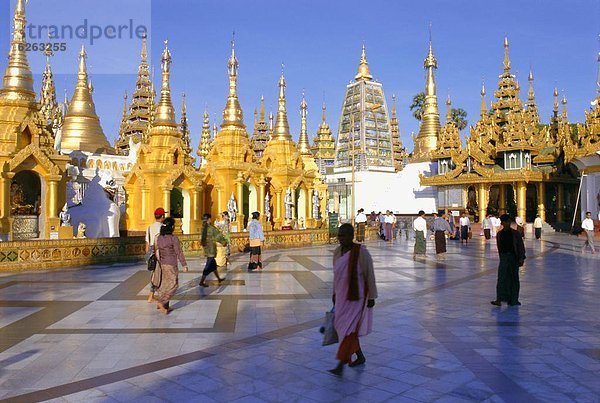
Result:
pixel 46 254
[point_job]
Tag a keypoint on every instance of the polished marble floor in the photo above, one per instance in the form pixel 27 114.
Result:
pixel 89 335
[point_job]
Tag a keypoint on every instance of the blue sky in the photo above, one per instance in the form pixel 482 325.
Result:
pixel 319 42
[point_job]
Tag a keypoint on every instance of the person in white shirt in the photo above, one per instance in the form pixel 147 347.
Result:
pixel 420 227
pixel 537 226
pixel 465 223
pixel 495 224
pixel 389 224
pixel 487 227
pixel 588 227
pixel 361 223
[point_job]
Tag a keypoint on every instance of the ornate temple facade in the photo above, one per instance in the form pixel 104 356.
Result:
pixel 32 172
pixel 511 163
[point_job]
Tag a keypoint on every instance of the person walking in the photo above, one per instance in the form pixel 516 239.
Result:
pixel 537 226
pixel 354 294
pixel 361 223
pixel 520 226
pixel 389 223
pixel 465 224
pixel 256 240
pixel 168 253
pixel 440 229
pixel 223 251
pixel 420 228
pixel 151 233
pixel 512 256
pixel 487 227
pixel 587 225
pixel 210 236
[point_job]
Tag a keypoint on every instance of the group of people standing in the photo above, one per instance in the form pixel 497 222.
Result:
pixel 215 240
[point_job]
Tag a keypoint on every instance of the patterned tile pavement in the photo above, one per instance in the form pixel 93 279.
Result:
pixel 88 334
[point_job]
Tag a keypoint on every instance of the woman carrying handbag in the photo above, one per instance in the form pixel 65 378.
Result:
pixel 168 252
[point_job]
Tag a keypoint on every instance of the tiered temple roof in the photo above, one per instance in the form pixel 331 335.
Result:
pixel 364 135
pixel 400 153
pixel 323 148
pixel 260 136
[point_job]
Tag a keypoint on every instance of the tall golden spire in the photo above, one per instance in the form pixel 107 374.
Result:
pixel 426 140
pixel 483 107
pixel 531 92
pixel 271 125
pixel 303 142
pixel 555 106
pixel 232 114
pixel 506 61
pixel 363 67
pixel 18 81
pixel 164 115
pixel 282 127
pixel 262 109
pixel 123 114
pixel 82 130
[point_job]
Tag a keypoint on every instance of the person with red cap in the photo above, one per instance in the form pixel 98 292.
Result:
pixel 151 233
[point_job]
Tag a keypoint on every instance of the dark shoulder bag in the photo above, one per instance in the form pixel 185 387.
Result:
pixel 152 258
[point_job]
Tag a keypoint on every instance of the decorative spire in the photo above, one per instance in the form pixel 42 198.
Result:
pixel 262 109
pixel 598 80
pixel 564 108
pixel 48 102
pixel 323 113
pixel 555 107
pixel 184 127
pixel 282 127
pixel 164 115
pixel 260 136
pixel 82 130
pixel 483 107
pixel 123 114
pixel 448 109
pixel 506 61
pixel 303 142
pixel 215 130
pixel 232 114
pixel 427 138
pixel 530 93
pixel 363 67
pixel 271 124
pixel 204 146
pixel 18 81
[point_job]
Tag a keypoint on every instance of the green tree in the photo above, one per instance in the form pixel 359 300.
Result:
pixel 459 117
pixel 417 105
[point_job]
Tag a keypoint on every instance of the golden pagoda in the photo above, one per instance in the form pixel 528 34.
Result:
pixel 323 148
pixel 511 163
pixel 81 130
pixel 260 136
pixel 232 175
pixel 399 151
pixel 32 173
pixel 163 175
pixel 184 128
pixel 291 185
pixel 139 112
pixel 426 140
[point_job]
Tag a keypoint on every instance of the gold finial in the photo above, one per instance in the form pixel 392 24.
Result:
pixel 204 145
pixel 483 107
pixel 448 109
pixel 430 60
pixel 530 92
pixel 564 106
pixel 18 80
pixel 363 67
pixel 303 142
pixel 393 105
pixel 215 131
pixel 164 115
pixel 183 107
pixel 323 113
pixel 233 116
pixel 555 94
pixel 271 125
pixel 506 61
pixel 125 106
pixel 282 127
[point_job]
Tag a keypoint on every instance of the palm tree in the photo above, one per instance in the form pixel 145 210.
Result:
pixel 417 105
pixel 459 117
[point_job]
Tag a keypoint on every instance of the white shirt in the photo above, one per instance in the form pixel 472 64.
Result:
pixel 389 219
pixel 465 221
pixel 360 217
pixel 152 231
pixel 496 221
pixel 537 223
pixel 588 224
pixel 420 224
pixel 519 221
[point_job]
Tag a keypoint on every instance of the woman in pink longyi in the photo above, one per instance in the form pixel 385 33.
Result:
pixel 354 293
